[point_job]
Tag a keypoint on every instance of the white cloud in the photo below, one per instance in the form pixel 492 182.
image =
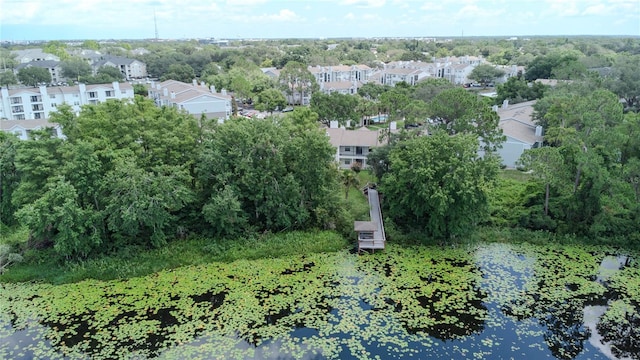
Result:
pixel 599 9
pixel 245 2
pixel 365 3
pixel 350 16
pixel 432 6
pixel 284 15
pixel 563 7
pixel 14 12
pixel 475 12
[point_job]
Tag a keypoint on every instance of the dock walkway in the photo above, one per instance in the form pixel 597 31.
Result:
pixel 371 233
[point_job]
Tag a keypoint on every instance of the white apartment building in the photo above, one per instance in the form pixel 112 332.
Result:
pixel 341 73
pixel 38 103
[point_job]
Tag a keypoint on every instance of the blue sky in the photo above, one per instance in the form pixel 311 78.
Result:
pixel 232 19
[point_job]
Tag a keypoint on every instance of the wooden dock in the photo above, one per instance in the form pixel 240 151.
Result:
pixel 371 234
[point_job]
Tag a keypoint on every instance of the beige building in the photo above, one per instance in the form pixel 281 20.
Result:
pixel 353 146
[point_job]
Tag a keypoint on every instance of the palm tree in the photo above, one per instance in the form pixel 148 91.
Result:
pixel 349 179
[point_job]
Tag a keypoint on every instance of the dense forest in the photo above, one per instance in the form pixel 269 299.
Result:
pixel 132 174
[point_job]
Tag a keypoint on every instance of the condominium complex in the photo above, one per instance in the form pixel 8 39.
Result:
pixel 38 103
pixel 196 99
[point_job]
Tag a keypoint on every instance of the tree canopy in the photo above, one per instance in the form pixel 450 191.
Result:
pixel 33 75
pixel 485 73
pixel 436 184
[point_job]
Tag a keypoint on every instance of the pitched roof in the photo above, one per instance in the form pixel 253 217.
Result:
pixel 8 125
pixel 402 71
pixel 521 112
pixel 361 137
pixel 117 60
pixel 184 92
pixel 42 63
pixel 339 85
pixel 33 53
pixel 516 121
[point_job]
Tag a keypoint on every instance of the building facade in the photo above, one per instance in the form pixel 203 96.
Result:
pixel 353 146
pixel 38 103
pixel 196 99
pixel 130 68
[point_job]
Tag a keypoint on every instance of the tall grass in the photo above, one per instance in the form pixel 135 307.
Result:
pixel 133 261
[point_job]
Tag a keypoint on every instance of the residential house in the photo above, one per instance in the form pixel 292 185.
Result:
pixel 38 103
pixel 53 66
pixel 196 99
pixel 22 128
pixel 29 55
pixel 516 122
pixel 352 146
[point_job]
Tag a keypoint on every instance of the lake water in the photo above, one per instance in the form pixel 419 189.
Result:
pixel 490 301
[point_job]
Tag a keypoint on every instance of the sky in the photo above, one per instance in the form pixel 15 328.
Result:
pixel 241 19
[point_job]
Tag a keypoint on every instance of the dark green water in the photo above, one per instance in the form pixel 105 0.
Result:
pixel 492 301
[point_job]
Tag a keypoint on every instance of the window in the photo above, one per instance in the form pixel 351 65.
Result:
pixel 16 100
pixel 109 93
pixel 93 94
pixel 358 150
pixel 52 96
pixel 347 148
pixel 36 98
pixel 17 109
pixel 123 92
pixel 37 107
pixel 347 161
pixel 19 117
pixel 54 105
pixel 75 95
pixel 38 115
pixel 76 103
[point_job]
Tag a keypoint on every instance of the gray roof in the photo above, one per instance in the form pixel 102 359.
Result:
pixel 118 60
pixel 8 125
pixel 43 64
pixel 516 121
pixel 32 53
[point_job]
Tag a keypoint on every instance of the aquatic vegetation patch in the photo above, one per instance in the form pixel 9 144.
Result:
pixel 404 302
pixel 430 292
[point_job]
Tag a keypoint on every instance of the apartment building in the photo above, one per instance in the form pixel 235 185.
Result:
pixel 196 99
pixel 38 103
pixel 340 73
pixel 130 68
